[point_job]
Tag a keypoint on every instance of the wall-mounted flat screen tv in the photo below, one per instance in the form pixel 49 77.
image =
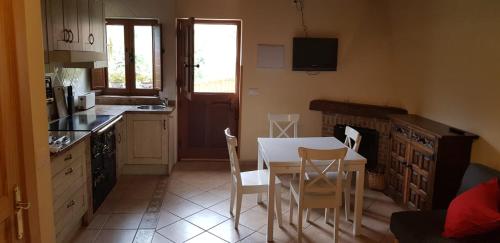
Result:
pixel 315 54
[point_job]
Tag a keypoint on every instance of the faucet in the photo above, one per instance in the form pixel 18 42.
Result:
pixel 164 101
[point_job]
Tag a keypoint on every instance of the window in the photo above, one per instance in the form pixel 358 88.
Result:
pixel 134 57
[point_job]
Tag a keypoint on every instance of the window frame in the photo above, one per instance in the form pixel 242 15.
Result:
pixel 130 89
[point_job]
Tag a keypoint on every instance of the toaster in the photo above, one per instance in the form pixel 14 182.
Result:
pixel 86 101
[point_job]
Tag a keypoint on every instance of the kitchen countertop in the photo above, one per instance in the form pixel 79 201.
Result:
pixel 74 136
pixel 114 110
pixel 117 110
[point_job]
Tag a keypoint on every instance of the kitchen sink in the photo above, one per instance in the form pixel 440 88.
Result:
pixel 151 107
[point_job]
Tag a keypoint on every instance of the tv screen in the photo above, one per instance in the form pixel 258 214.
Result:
pixel 315 54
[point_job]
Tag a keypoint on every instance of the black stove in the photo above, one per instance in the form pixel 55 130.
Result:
pixel 80 123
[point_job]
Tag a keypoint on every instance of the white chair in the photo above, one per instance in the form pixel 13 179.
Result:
pixel 352 141
pixel 283 123
pixel 248 182
pixel 320 191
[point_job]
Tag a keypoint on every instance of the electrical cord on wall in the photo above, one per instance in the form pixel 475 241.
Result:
pixel 299 4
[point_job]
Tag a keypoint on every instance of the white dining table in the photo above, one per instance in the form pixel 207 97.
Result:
pixel 280 155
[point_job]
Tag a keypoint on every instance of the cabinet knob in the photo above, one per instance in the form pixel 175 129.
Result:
pixel 69 171
pixel 91 39
pixel 71 36
pixel 71 204
pixel 68 157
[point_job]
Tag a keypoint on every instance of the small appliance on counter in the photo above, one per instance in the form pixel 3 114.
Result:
pixel 86 101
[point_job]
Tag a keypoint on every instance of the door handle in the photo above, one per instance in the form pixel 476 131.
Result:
pixel 20 207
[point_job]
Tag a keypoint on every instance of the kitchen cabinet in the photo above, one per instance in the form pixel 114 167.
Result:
pixel 121 145
pixel 70 171
pixel 93 27
pixel 428 160
pixel 147 139
pixel 75 30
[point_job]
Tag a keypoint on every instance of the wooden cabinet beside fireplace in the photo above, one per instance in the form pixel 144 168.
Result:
pixel 427 162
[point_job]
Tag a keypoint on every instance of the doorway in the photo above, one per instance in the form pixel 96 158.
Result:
pixel 208 62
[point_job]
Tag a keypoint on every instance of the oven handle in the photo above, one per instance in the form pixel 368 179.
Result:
pixel 111 124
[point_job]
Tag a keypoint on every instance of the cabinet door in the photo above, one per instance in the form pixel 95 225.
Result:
pixel 93 25
pixel 64 24
pixel 147 139
pixel 398 168
pixel 121 145
pixel 422 166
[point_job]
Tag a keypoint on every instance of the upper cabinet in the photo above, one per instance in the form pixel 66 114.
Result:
pixel 75 30
pixel 93 25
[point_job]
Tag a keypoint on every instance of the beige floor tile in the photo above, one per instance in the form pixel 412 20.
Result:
pixel 183 208
pixel 129 205
pixel 144 236
pixel 207 199
pixel 383 209
pixel 180 231
pixel 183 189
pixel 116 236
pixel 206 219
pixel 165 219
pixel 123 221
pixel 157 238
pixel 98 221
pixel 227 232
pixel 85 236
pixel 253 219
pixel 205 238
pixel 255 238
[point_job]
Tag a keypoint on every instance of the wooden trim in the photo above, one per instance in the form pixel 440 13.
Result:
pixel 365 110
pixel 130 66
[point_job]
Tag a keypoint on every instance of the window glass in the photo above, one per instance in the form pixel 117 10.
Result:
pixel 143 48
pixel 116 56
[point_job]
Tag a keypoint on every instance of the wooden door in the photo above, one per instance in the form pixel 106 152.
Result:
pixel 10 132
pixel 147 139
pixel 209 79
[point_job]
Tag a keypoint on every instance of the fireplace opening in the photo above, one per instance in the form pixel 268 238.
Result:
pixel 369 143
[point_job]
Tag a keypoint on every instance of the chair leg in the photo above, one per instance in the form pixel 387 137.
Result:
pixel 336 213
pixel 327 215
pixel 299 223
pixel 239 197
pixel 290 208
pixel 278 204
pixel 308 215
pixel 347 196
pixel 231 206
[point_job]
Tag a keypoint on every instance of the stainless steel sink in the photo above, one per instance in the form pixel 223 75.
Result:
pixel 151 107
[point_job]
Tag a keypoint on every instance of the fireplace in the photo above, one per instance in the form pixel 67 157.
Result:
pixel 369 143
pixel 368 119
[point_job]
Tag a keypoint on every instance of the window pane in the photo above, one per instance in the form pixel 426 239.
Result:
pixel 143 44
pixel 215 51
pixel 116 56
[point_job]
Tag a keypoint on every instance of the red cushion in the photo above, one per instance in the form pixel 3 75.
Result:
pixel 475 211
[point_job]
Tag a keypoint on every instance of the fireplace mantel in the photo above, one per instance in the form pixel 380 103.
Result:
pixel 346 108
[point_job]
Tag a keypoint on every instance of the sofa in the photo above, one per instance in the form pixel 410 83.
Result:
pixel 427 226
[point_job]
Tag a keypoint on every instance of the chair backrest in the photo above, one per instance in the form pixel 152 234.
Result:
pixel 321 162
pixel 283 123
pixel 352 139
pixel 232 143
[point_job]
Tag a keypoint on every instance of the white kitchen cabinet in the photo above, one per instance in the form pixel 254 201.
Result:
pixel 121 145
pixel 147 139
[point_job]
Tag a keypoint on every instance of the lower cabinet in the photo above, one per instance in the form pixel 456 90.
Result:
pixel 147 139
pixel 121 145
pixel 69 189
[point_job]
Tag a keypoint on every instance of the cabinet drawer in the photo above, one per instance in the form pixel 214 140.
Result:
pixel 70 211
pixel 71 175
pixel 66 158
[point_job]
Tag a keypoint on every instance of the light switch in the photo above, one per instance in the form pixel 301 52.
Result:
pixel 253 91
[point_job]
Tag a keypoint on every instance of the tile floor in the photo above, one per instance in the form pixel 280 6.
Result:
pixel 193 206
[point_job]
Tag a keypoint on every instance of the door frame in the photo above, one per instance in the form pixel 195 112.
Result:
pixel 34 163
pixel 239 79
